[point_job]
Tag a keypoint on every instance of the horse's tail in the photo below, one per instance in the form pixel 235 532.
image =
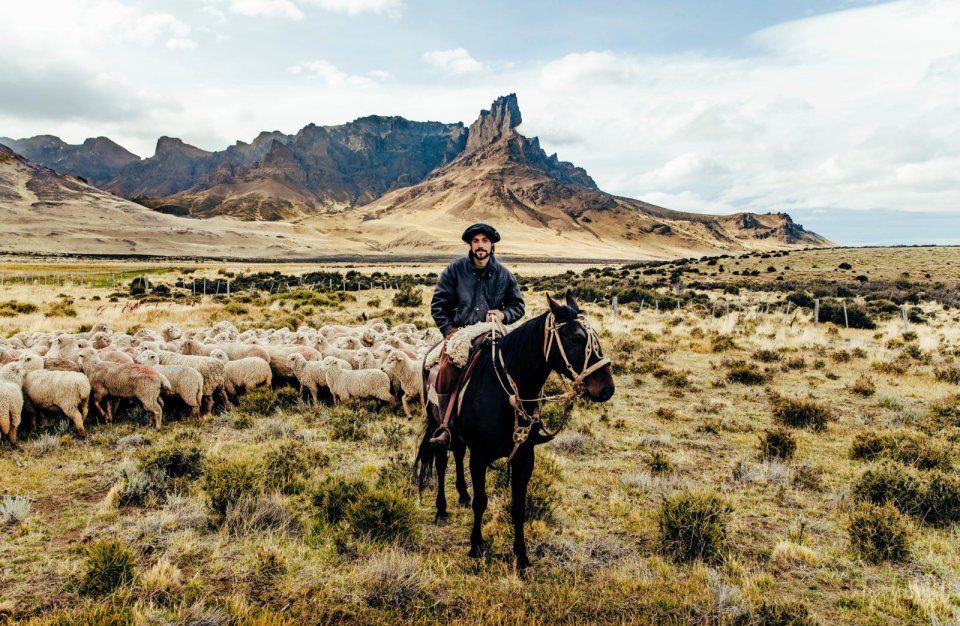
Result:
pixel 426 455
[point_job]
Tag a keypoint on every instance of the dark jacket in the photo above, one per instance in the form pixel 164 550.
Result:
pixel 465 295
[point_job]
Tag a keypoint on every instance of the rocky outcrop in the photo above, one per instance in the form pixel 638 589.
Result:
pixel 493 125
pixel 97 160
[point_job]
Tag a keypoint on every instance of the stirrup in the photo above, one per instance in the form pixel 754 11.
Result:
pixel 441 437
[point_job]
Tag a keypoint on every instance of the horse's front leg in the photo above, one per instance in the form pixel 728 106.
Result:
pixel 478 473
pixel 440 462
pixel 520 478
pixel 459 452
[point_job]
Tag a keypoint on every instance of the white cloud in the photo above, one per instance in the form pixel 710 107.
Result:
pixel 356 7
pixel 266 8
pixel 333 76
pixel 456 61
pixel 179 43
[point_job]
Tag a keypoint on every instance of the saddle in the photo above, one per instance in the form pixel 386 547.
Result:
pixel 463 380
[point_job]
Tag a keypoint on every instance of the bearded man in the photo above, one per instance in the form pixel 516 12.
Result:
pixel 472 289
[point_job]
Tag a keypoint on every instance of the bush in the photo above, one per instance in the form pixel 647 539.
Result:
pixel 940 504
pixel 800 413
pixel 60 309
pixel 397 474
pixel 903 445
pixel 880 533
pixel 766 356
pixel 892 483
pixel 950 374
pixel 393 579
pixel 407 296
pixel 258 512
pixel 693 525
pixel 266 401
pixel 745 374
pixel 383 515
pixel 334 497
pixel 775 613
pixel 13 308
pixel 659 463
pixel 777 444
pixel 864 387
pixel 177 459
pixel 286 465
pixel 665 413
pixel 722 343
pixel 109 565
pixel 348 423
pixel 227 480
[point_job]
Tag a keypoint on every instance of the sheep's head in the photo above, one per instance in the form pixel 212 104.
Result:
pixel 31 362
pixel 148 357
pixel 219 355
pixel 13 372
pixel 297 360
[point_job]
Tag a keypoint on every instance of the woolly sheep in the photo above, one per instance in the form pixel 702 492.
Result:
pixel 280 358
pixel 243 374
pixel 68 392
pixel 211 369
pixel 366 360
pixel 310 373
pixel 11 399
pixel 407 374
pixel 60 364
pixel 186 383
pixel 345 384
pixel 125 380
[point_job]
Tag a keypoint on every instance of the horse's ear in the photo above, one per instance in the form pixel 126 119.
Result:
pixel 572 302
pixel 555 307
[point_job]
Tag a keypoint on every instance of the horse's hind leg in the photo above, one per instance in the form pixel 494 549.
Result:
pixel 440 461
pixel 519 479
pixel 460 451
pixel 478 473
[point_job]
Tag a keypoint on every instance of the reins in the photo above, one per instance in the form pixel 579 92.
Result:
pixel 551 337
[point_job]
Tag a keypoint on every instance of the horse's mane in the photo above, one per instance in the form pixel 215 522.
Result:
pixel 522 348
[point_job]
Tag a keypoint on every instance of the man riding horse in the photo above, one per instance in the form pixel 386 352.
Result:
pixel 472 289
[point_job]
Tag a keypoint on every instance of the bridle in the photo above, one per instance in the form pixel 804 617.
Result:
pixel 551 338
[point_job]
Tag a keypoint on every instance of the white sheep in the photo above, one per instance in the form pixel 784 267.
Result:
pixel 243 374
pixel 407 374
pixel 345 384
pixel 125 380
pixel 186 383
pixel 310 373
pixel 11 399
pixel 211 369
pixel 68 392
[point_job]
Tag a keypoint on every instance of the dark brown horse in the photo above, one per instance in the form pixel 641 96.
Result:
pixel 499 412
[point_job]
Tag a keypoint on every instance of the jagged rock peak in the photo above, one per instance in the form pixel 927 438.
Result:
pixel 499 121
pixel 172 144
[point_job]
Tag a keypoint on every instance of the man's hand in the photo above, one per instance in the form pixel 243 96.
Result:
pixel 496 315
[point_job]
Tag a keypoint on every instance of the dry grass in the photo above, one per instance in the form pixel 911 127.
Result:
pixel 675 425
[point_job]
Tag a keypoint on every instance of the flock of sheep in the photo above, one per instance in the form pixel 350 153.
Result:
pixel 66 373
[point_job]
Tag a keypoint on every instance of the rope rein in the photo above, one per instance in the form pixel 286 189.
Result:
pixel 551 338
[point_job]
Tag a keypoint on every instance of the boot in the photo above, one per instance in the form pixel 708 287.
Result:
pixel 441 438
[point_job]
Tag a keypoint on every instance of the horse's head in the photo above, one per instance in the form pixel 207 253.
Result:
pixel 572 348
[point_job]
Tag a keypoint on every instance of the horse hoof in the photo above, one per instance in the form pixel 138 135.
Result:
pixel 522 565
pixel 475 552
pixel 464 501
pixel 441 519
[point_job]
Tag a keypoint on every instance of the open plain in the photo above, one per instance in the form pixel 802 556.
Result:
pixel 755 466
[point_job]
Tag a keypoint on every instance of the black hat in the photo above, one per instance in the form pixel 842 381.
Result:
pixel 486 229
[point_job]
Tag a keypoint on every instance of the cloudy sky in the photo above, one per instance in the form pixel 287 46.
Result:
pixel 845 114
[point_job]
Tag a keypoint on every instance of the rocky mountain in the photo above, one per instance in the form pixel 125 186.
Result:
pixel 97 160
pixel 387 185
pixel 42 211
pixel 506 178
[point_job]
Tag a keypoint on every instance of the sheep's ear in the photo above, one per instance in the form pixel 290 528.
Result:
pixel 572 302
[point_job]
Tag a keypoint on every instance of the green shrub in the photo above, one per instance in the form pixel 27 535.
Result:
pixel 940 504
pixel 722 343
pixel 13 308
pixel 348 423
pixel 890 482
pixel 766 356
pixel 286 466
pixel 775 613
pixel 693 525
pixel 800 413
pixel 745 374
pixel 397 474
pixel 863 386
pixel 795 363
pixel 266 401
pixel 334 497
pixel 946 412
pixel 950 374
pixel 109 565
pixel 227 480
pixel 880 533
pixel 383 515
pixel 903 445
pixel 60 309
pixel 407 296
pixel 177 459
pixel 777 444
pixel 665 413
pixel 659 463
